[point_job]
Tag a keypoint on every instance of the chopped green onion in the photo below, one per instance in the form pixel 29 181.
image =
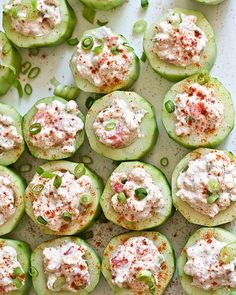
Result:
pixel 73 41
pixel 34 72
pixel 228 253
pixel 25 168
pixel 37 188
pixel 89 14
pixel 85 200
pixel 17 283
pixel 141 193
pixel 143 57
pixel 144 3
pixel 39 170
pixel 87 235
pixel 110 126
pixel 89 102
pixel 139 26
pixel 123 180
pixel 87 43
pixel 67 216
pixel 64 91
pixel 35 128
pixel 79 170
pixel 59 283
pixel 122 198
pixel 34 51
pixel 25 67
pixel 114 50
pixel 87 160
pixel 212 199
pixel 170 106
pixel 98 49
pixel 213 185
pixel 18 87
pixel 42 220
pixel 28 89
pixel 18 271
pixel 102 23
pixel 57 181
pixel 33 272
pixel 203 78
pixel 147 277
pixel 164 162
pixel 48 174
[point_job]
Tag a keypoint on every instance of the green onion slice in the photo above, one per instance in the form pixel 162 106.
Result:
pixel 114 50
pixel 213 185
pixel 25 67
pixel 139 26
pixel 110 126
pixel 85 200
pixel 37 188
pixel 33 272
pixel 102 23
pixel 89 102
pixel 144 3
pixel 35 128
pixel 25 168
pixel 141 193
pixel 203 78
pixel 147 277
pixel 65 91
pixel 122 198
pixel 87 43
pixel 34 72
pixel 213 198
pixel 164 162
pixel 98 49
pixel 41 220
pixel 89 14
pixel 34 51
pixel 79 170
pixel 17 283
pixel 228 253
pixel 18 87
pixel 39 170
pixel 67 216
pixel 57 181
pixel 170 106
pixel 73 41
pixel 18 271
pixel 59 283
pixel 48 174
pixel 28 89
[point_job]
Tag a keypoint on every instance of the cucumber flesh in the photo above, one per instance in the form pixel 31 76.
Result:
pixel 102 4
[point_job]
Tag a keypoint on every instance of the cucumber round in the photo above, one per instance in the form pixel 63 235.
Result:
pixel 224 216
pixel 205 139
pixel 58 35
pixel 173 72
pixel 141 146
pixel 18 186
pixel 186 281
pixel 23 256
pixel 10 63
pixel 87 86
pixel 209 2
pixel 40 281
pixel 155 220
pixel 52 153
pixel 164 248
pixel 102 4
pixel 86 218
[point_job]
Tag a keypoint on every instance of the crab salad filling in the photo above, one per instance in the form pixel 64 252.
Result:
pixel 57 206
pixel 136 196
pixel 178 40
pixel 7 200
pixel 33 18
pixel 137 254
pixel 65 267
pixel 118 126
pixel 205 267
pixel 209 183
pixel 104 58
pixel 12 275
pixel 56 125
pixel 197 111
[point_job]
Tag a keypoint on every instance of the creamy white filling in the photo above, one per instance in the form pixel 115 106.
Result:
pixel 7 200
pixel 178 40
pixel 59 126
pixel 137 253
pixel 194 183
pixel 104 69
pixel 50 203
pixel 9 262
pixel 9 136
pixel 197 111
pixel 66 262
pixel 205 267
pixel 135 209
pixel 34 22
pixel 118 125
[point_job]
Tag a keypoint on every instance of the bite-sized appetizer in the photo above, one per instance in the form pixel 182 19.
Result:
pixel 207 264
pixel 14 267
pixel 209 2
pixel 53 128
pixel 12 143
pixel 66 265
pixel 204 187
pixel 10 62
pixel 12 188
pixel 104 61
pixel 198 112
pixel 137 196
pixel 181 44
pixel 38 23
pixel 63 197
pixel 121 126
pixel 102 4
pixel 138 263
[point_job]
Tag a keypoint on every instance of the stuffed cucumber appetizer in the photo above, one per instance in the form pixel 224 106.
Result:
pixel 138 263
pixel 181 44
pixel 11 138
pixel 207 264
pixel 63 197
pixel 209 2
pixel 104 61
pixel 53 128
pixel 12 188
pixel 66 265
pixel 102 4
pixel 198 112
pixel 15 266
pixel 38 23
pixel 10 62
pixel 121 126
pixel 137 196
pixel 204 187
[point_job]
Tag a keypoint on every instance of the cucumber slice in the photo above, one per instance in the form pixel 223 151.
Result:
pixel 209 2
pixel 210 139
pixel 58 35
pixel 102 4
pixel 55 153
pixel 186 281
pixel 11 156
pixel 184 208
pixel 10 63
pixel 141 146
pixel 87 86
pixel 176 73
pixel 18 186
pixel 157 219
pixel 40 281
pixel 23 256
pixel 86 218
pixel 164 248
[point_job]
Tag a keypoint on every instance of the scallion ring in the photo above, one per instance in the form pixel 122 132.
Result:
pixel 67 216
pixel 147 277
pixel 48 174
pixel 111 125
pixel 39 170
pixel 17 283
pixel 34 72
pixel 28 89
pixel 98 49
pixel 87 43
pixel 164 161
pixel 89 14
pixel 41 220
pixel 73 41
pixel 115 50
pixel 203 78
pixel 170 106
pixel 212 199
pixel 139 26
pixel 57 181
pixel 89 102
pixel 37 188
pixel 35 128
pixel 65 91
pixel 79 170
pixel 141 193
pixel 59 283
pixel 144 3
pixel 85 200
pixel 122 199
pixel 102 23
pixel 25 67
pixel 25 168
pixel 18 271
